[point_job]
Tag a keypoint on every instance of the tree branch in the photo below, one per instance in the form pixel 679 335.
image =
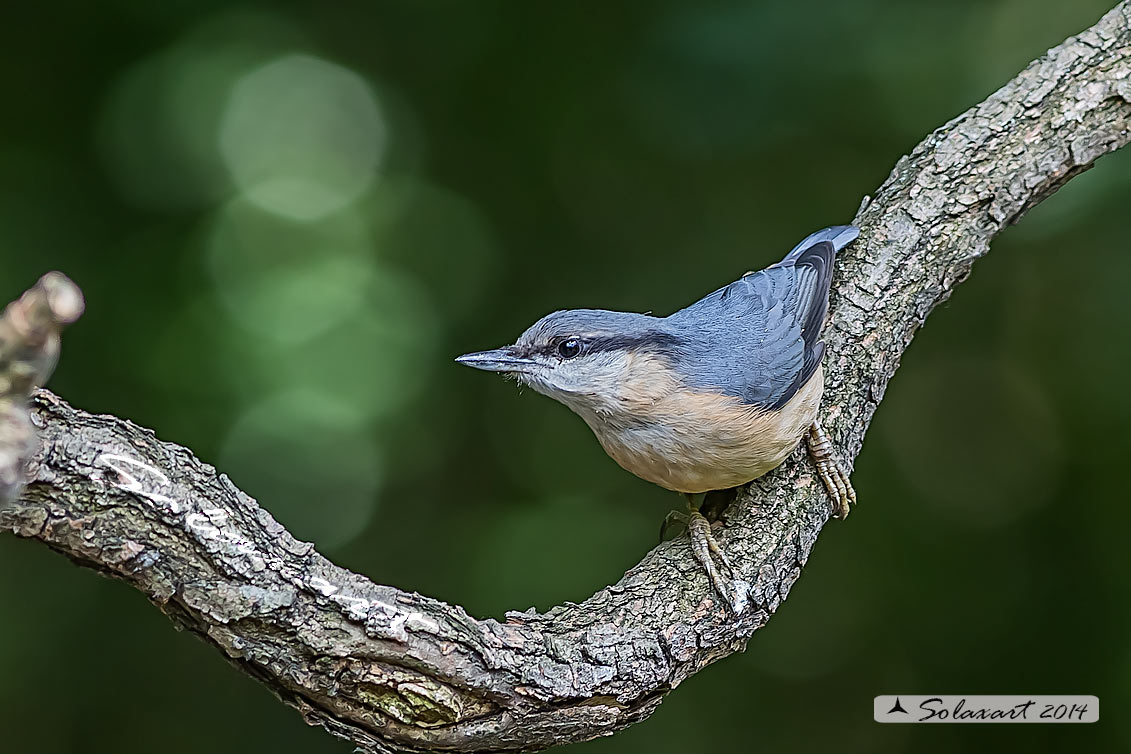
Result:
pixel 393 670
pixel 29 348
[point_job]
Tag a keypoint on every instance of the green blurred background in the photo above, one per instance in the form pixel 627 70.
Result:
pixel 287 219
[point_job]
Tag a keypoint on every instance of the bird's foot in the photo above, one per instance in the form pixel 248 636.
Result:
pixel 831 472
pixel 706 551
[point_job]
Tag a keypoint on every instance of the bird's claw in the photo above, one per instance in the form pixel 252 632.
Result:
pixel 706 550
pixel 837 483
pixel 834 477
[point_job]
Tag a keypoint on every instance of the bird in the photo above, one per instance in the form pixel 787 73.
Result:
pixel 710 397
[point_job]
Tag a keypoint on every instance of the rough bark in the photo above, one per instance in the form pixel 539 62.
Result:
pixel 392 670
pixel 29 348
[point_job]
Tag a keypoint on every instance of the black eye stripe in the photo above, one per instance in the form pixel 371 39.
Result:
pixel 652 342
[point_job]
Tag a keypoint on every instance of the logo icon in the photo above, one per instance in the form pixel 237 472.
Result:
pixel 897 707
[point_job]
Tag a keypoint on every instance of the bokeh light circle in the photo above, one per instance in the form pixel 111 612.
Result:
pixel 288 280
pixel 302 137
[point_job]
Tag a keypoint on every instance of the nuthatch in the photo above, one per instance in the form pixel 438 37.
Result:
pixel 708 398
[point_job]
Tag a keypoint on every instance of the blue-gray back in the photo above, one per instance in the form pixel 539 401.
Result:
pixel 758 338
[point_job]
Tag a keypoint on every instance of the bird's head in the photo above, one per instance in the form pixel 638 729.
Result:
pixel 588 359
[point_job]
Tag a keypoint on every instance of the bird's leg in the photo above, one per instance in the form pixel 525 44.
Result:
pixel 704 546
pixel 832 473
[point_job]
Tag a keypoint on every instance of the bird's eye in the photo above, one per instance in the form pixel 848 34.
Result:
pixel 569 348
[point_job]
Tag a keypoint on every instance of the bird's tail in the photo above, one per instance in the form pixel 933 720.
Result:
pixel 812 261
pixel 838 235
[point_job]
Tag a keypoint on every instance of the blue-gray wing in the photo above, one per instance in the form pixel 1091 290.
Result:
pixel 758 338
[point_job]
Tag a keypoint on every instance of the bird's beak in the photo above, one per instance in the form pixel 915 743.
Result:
pixel 496 360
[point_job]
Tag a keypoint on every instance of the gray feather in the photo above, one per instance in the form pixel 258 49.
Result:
pixel 758 338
